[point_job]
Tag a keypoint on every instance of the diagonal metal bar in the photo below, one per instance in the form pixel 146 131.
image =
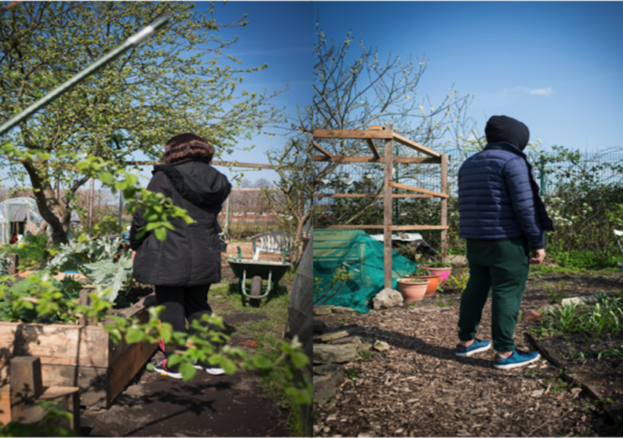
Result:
pixel 133 41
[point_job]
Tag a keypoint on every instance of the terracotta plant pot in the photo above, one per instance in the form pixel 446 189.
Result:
pixel 412 291
pixel 444 273
pixel 433 283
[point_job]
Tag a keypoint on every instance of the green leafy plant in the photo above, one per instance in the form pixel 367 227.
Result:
pixel 99 261
pixel 366 354
pixel 437 264
pixel 421 272
pixel 457 281
pixel 353 373
pixel 413 280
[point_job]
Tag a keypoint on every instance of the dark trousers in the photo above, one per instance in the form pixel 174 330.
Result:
pixel 181 304
pixel 502 267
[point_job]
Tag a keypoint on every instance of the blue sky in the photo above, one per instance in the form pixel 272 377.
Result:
pixel 556 66
pixel 279 34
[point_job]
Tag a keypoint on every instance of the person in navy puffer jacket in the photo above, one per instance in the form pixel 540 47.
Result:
pixel 503 219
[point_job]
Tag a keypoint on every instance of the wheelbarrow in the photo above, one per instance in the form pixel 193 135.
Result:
pixel 258 270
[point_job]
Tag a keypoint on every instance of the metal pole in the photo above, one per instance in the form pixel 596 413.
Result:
pixel 133 41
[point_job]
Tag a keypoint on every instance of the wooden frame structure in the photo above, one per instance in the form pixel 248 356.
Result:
pixel 389 136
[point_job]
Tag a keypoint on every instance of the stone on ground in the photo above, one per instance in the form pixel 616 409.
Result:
pixel 323 310
pixel 387 298
pixel 333 353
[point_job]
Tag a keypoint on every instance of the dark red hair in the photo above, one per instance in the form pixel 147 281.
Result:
pixel 187 146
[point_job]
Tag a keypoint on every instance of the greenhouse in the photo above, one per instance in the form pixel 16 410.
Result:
pixel 18 215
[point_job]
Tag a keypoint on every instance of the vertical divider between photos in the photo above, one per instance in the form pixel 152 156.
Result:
pixel 387 207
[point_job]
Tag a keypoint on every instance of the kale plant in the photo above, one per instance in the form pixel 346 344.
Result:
pixel 97 261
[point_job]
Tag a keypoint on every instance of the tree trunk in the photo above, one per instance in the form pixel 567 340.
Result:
pixel 53 210
pixel 297 245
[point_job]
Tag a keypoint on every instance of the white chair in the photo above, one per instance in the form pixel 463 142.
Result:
pixel 274 242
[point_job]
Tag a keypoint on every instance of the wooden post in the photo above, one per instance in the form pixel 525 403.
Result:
pixel 85 300
pixel 26 384
pixel 12 268
pixel 444 205
pixel 387 207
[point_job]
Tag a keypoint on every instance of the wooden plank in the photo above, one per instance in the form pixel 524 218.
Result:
pixel 373 148
pixel 351 227
pixel 55 343
pixel 416 189
pixel 214 163
pixel 413 145
pixel 126 367
pixel 417 227
pixel 68 398
pixel 92 381
pixel 444 206
pixel 13 264
pixel 350 134
pixel 387 208
pixel 360 195
pixel 321 149
pixel 5 404
pixel 403 160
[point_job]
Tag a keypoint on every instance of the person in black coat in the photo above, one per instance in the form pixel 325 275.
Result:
pixel 183 267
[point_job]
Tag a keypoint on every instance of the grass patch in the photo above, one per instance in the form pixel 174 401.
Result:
pixel 274 380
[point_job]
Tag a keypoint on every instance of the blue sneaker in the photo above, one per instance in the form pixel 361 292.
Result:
pixel 476 347
pixel 516 359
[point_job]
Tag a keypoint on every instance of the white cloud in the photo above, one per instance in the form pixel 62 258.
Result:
pixel 541 91
pixel 521 90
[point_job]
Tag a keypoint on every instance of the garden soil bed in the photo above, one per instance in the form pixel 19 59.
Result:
pixel 420 388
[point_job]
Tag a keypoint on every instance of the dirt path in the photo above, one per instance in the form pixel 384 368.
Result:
pixel 420 388
pixel 238 405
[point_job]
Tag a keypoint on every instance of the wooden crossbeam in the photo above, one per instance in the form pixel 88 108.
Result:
pixel 404 160
pixel 360 195
pixel 416 189
pixel 321 149
pixel 350 133
pixel 352 227
pixel 213 162
pixel 373 148
pixel 413 145
pixel 417 227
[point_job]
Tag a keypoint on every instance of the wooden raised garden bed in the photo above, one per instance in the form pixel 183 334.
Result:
pixel 79 355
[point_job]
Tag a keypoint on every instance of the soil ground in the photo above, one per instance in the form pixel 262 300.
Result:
pixel 238 405
pixel 419 387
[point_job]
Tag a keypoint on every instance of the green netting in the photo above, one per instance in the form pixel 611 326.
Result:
pixel 354 252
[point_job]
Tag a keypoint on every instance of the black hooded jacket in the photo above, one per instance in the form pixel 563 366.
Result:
pixel 190 255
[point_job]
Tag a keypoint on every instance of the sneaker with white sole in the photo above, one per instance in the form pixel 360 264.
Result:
pixel 476 347
pixel 210 370
pixel 161 367
pixel 516 360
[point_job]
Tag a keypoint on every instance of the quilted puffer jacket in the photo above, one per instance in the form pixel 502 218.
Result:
pixel 498 195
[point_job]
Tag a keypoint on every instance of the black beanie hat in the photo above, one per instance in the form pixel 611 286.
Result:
pixel 509 130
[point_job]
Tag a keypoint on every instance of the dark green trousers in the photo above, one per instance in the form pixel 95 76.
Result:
pixel 502 267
